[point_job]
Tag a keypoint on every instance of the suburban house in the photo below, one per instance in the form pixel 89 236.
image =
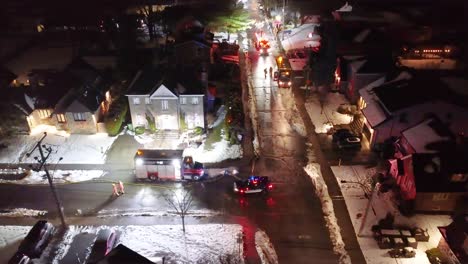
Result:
pixel 454 241
pixel 430 166
pixel 355 72
pixel 73 100
pixel 167 103
pixel 391 105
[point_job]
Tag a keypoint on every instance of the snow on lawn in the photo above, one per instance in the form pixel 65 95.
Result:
pixel 21 212
pixel 73 148
pixel 381 205
pixel 154 242
pixel 325 119
pixel 12 234
pixel 222 150
pixel 59 176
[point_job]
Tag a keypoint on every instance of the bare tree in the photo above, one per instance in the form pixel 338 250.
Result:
pixel 181 201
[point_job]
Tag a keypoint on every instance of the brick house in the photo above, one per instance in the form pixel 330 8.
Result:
pixel 427 181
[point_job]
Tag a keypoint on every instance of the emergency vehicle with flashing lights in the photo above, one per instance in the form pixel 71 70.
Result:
pixel 254 184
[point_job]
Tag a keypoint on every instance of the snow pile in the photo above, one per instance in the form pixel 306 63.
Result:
pixel 74 148
pixel 151 212
pixel 222 150
pixel 58 176
pixel 327 117
pixel 21 212
pixel 265 248
pixel 321 190
pixel 199 241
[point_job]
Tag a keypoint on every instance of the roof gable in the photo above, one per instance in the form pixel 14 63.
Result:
pixel 163 92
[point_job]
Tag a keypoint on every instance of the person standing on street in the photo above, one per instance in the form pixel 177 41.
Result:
pixel 271 72
pixel 121 188
pixel 115 192
pixel 265 71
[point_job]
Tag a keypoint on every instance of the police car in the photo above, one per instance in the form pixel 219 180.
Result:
pixel 254 184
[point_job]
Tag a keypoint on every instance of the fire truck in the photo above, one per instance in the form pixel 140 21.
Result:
pixel 262 44
pixel 162 164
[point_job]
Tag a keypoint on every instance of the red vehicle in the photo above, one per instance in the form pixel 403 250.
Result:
pixel 264 47
pixel 192 170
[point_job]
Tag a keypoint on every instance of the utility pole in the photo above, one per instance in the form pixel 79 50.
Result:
pixel 42 164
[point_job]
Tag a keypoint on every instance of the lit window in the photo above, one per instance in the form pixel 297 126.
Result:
pixel 136 101
pixel 165 105
pixel 195 100
pixel 61 118
pixel 147 100
pixel 43 114
pixel 183 100
pixel 440 197
pixel 79 116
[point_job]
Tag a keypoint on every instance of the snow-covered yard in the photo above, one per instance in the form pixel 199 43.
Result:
pixel 200 242
pixel 381 205
pixel 58 176
pixel 327 117
pixel 73 148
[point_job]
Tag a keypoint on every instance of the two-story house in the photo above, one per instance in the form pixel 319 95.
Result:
pixel 391 106
pixel 171 105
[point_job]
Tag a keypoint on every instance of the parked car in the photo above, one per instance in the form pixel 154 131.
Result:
pixel 19 258
pixel 254 184
pixel 352 142
pixel 341 133
pixel 106 240
pixel 37 239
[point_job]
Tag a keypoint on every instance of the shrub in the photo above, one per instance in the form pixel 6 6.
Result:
pixel 183 125
pixel 198 131
pixel 115 118
pixel 151 123
pixel 214 136
pixel 139 130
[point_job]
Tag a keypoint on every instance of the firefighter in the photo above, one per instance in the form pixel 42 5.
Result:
pixel 121 188
pixel 115 192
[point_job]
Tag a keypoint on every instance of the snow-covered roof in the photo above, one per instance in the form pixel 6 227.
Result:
pixel 163 93
pixel 418 142
pixel 297 64
pixel 298 38
pixel 374 112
